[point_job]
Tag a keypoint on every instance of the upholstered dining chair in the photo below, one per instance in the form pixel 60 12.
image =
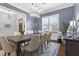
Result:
pixel 43 41
pixel 11 38
pixel 48 38
pixel 7 48
pixel 33 45
pixel 17 41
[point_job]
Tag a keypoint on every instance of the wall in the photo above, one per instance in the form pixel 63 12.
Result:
pixel 13 22
pixel 33 23
pixel 38 23
pixel 30 21
pixel 77 17
pixel 65 15
pixel 9 30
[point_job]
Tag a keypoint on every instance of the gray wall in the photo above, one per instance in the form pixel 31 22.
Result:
pixel 76 10
pixel 29 22
pixel 65 15
pixel 77 17
pixel 33 23
pixel 38 23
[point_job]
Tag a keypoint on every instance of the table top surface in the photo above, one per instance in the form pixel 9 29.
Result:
pixel 20 37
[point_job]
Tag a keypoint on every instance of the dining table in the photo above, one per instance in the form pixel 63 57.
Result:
pixel 18 40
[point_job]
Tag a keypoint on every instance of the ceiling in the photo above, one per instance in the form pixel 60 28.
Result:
pixel 46 7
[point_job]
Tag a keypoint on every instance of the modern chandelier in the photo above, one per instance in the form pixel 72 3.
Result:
pixel 37 9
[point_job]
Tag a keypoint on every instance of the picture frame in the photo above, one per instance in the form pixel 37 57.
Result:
pixel 6 25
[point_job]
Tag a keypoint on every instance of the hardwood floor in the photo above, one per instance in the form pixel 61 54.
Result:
pixel 61 50
pixel 51 50
pixel 54 49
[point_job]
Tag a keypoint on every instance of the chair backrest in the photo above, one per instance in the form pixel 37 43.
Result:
pixel 5 45
pixel 34 43
pixel 15 38
pixel 49 37
pixel 44 38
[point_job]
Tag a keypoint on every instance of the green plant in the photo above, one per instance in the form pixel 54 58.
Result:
pixel 64 27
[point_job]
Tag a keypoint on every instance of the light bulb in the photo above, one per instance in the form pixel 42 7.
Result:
pixel 32 6
pixel 38 16
pixel 35 14
pixel 31 14
pixel 39 11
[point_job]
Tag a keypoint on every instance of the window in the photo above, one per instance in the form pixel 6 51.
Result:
pixel 45 23
pixel 51 24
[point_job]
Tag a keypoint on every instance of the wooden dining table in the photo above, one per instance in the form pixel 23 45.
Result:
pixel 18 40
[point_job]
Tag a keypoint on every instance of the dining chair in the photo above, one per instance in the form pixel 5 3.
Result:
pixel 48 38
pixel 43 41
pixel 26 41
pixel 11 38
pixel 17 40
pixel 6 47
pixel 33 45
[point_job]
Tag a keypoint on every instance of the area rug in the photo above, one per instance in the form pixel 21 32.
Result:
pixel 52 50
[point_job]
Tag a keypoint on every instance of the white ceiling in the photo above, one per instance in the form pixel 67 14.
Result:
pixel 47 7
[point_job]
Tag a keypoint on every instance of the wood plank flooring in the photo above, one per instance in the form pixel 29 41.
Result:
pixel 61 50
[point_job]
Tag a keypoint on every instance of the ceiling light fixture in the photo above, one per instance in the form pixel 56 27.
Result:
pixel 37 9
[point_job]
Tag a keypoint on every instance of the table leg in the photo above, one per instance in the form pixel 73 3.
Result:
pixel 18 49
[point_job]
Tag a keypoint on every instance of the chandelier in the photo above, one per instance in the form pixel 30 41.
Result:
pixel 37 9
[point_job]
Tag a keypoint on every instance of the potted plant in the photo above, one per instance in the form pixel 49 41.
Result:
pixel 63 29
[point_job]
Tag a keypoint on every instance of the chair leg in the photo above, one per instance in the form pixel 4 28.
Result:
pixel 37 52
pixel 47 42
pixel 8 54
pixel 42 48
pixel 5 54
pixel 31 53
pixel 23 52
pixel 45 45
